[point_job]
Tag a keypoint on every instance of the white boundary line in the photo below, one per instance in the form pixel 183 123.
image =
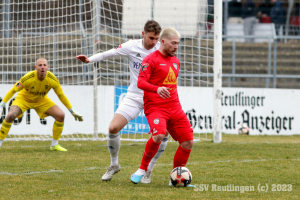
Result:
pixel 191 163
pixel 137 143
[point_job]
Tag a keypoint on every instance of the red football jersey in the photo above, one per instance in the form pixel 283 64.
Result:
pixel 156 71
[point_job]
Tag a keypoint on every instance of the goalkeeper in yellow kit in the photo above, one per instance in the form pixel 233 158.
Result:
pixel 33 88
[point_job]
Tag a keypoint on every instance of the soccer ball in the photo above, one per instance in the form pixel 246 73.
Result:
pixel 244 130
pixel 181 177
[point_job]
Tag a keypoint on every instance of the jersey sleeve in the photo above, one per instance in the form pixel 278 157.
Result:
pixel 121 50
pixel 18 86
pixel 147 67
pixel 9 95
pixel 59 92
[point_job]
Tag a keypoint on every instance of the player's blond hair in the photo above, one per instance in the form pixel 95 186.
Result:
pixel 168 32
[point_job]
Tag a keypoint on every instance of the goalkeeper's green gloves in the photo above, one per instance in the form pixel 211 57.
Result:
pixel 2 104
pixel 76 115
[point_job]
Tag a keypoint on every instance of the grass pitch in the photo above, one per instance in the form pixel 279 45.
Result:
pixel 245 167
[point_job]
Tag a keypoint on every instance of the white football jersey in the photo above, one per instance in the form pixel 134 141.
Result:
pixel 135 51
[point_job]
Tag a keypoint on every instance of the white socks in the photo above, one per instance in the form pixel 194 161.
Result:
pixel 1 142
pixel 161 149
pixel 113 144
pixel 54 142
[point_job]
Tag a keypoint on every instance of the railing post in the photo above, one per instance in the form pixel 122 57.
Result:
pixel 233 58
pixel 225 16
pixel 274 64
pixel 199 57
pixel 269 62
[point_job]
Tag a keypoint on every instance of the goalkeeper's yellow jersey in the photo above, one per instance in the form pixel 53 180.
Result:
pixel 33 90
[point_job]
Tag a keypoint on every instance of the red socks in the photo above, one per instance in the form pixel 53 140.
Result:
pixel 150 151
pixel 181 157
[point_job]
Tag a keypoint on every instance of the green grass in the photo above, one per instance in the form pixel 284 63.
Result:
pixel 28 170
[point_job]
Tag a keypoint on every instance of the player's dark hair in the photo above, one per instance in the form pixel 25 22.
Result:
pixel 152 26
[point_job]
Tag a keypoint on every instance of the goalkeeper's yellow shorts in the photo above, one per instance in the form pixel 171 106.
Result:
pixel 40 107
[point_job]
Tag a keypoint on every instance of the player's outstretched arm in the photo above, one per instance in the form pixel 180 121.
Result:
pixel 62 97
pixel 83 58
pixel 104 55
pixel 122 50
pixel 76 115
pixel 7 97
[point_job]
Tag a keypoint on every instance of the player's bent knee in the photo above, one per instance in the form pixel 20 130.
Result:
pixel 60 117
pixel 113 129
pixel 158 138
pixel 187 144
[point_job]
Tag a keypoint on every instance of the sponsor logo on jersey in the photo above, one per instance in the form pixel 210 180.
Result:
pixel 144 66
pixel 137 65
pixel 171 78
pixel 175 65
pixel 38 93
pixel 162 64
pixel 120 46
pixel 46 87
pixel 154 131
pixel 156 121
pixel 138 55
pixel 18 84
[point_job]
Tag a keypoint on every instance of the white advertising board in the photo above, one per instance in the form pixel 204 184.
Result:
pixel 265 111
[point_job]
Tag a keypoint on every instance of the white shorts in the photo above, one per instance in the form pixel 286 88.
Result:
pixel 131 107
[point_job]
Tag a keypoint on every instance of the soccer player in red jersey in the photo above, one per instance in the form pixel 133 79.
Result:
pixel 132 104
pixel 158 79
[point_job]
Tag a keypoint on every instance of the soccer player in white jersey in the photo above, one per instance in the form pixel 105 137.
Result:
pixel 136 51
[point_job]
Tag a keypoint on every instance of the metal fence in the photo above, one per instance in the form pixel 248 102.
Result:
pixel 270 52
pixel 256 62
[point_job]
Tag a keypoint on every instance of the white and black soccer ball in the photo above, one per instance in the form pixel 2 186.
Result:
pixel 244 130
pixel 181 177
